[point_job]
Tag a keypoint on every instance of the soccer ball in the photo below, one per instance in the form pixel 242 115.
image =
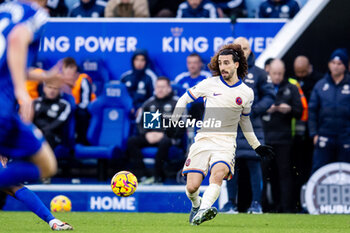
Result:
pixel 60 204
pixel 124 183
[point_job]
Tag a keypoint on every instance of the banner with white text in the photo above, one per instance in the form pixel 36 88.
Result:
pixel 168 42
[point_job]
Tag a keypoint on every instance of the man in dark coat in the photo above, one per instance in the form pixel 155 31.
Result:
pixel 278 134
pixel 302 143
pixel 329 113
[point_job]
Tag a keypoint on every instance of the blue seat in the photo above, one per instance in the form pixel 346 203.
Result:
pixel 66 148
pixel 109 125
pixel 98 72
pixel 176 153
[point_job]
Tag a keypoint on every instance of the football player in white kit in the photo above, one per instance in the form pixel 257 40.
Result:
pixel 228 99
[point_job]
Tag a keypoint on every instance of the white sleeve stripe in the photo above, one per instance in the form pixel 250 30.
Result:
pixel 212 10
pixel 125 74
pixel 101 3
pixel 85 91
pixel 153 76
pixel 64 115
pixel 182 6
pixel 37 21
pixel 139 116
pixel 206 73
pixel 234 3
pixel 76 5
pixel 181 76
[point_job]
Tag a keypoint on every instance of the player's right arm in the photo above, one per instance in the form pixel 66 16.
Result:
pixel 180 107
pixel 18 40
pixel 17 49
pixel 191 95
pixel 45 75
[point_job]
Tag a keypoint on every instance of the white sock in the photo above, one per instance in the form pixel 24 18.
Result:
pixel 210 195
pixel 194 198
pixel 55 220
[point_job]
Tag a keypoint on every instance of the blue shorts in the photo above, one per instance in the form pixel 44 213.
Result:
pixel 17 139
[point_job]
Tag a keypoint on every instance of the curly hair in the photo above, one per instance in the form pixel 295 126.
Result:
pixel 237 55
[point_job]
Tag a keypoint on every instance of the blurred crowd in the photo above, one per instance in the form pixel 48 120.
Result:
pixel 175 8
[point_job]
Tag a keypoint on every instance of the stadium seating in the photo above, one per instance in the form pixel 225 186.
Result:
pixel 109 125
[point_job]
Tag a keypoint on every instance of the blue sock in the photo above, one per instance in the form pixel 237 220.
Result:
pixel 32 201
pixel 18 172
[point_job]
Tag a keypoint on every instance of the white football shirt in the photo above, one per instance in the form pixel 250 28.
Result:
pixel 223 103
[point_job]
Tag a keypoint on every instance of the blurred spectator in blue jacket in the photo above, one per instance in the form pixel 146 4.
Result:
pixel 88 8
pixel 140 80
pixel 264 97
pixel 195 73
pixel 278 9
pixel 197 9
pixel 190 78
pixel 232 9
pixel 329 113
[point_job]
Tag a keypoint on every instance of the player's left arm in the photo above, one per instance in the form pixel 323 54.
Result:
pixel 17 50
pixel 247 127
pixel 53 74
pixel 248 131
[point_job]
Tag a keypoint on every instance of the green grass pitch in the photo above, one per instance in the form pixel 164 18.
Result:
pixel 16 222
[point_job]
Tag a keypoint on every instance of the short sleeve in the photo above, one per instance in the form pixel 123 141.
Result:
pixel 199 90
pixel 247 106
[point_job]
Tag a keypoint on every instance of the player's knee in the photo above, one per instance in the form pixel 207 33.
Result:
pixel 51 169
pixel 48 170
pixel 46 162
pixel 51 166
pixel 192 188
pixel 217 177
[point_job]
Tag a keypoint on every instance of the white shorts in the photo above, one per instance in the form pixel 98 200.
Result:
pixel 208 150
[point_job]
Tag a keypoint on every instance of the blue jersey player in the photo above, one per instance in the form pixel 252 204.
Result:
pixel 194 75
pixel 21 26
